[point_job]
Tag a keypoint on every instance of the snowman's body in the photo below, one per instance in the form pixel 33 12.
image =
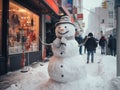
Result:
pixel 65 66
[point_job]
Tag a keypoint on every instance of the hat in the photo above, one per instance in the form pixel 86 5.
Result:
pixel 90 34
pixel 64 19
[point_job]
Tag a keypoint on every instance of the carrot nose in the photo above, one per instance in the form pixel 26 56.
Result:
pixel 62 29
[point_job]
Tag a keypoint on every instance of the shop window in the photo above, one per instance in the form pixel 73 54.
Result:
pixel 0 27
pixel 23 29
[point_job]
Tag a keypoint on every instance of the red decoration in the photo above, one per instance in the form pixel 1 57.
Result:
pixel 44 54
pixel 22 63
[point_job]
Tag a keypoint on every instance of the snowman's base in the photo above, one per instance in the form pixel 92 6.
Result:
pixel 86 83
pixel 53 85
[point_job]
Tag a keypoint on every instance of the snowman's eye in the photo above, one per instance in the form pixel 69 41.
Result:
pixel 65 26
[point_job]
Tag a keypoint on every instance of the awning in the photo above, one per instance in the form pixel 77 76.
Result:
pixel 109 29
pixel 41 6
pixel 52 5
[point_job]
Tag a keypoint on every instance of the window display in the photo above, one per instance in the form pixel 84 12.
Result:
pixel 0 27
pixel 23 30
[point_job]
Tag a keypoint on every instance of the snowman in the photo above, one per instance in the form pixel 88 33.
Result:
pixel 65 68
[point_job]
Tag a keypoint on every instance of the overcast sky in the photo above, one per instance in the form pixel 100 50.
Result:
pixel 88 4
pixel 91 3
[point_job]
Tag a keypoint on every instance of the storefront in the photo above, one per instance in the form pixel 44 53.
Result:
pixel 1 27
pixel 2 56
pixel 23 35
pixel 21 27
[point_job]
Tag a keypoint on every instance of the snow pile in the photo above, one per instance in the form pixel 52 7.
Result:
pixel 115 84
pixel 103 80
pixel 31 79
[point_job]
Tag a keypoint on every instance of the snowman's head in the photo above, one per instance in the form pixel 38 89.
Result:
pixel 65 28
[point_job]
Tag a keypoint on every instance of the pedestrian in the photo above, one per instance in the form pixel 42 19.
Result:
pixel 79 39
pixel 112 45
pixel 102 43
pixel 90 45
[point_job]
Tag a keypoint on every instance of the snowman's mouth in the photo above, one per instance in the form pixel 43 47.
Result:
pixel 63 33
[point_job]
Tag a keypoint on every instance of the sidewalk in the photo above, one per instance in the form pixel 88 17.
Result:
pixel 103 68
pixel 13 77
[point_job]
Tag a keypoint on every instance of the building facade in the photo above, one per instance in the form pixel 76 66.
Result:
pixel 98 21
pixel 111 29
pixel 78 14
pixel 22 24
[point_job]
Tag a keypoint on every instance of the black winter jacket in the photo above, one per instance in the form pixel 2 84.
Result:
pixel 112 43
pixel 102 41
pixel 91 44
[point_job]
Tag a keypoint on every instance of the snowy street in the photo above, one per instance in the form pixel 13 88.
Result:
pixel 60 45
pixel 98 74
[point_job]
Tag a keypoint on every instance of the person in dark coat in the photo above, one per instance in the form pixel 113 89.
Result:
pixel 102 43
pixel 112 45
pixel 90 45
pixel 79 39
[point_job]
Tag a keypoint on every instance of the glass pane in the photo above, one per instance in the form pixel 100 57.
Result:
pixel 23 29
pixel 0 27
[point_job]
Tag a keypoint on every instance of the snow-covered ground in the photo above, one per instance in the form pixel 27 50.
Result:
pixel 98 76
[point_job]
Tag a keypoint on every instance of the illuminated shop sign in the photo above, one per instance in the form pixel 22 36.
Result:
pixel 80 16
